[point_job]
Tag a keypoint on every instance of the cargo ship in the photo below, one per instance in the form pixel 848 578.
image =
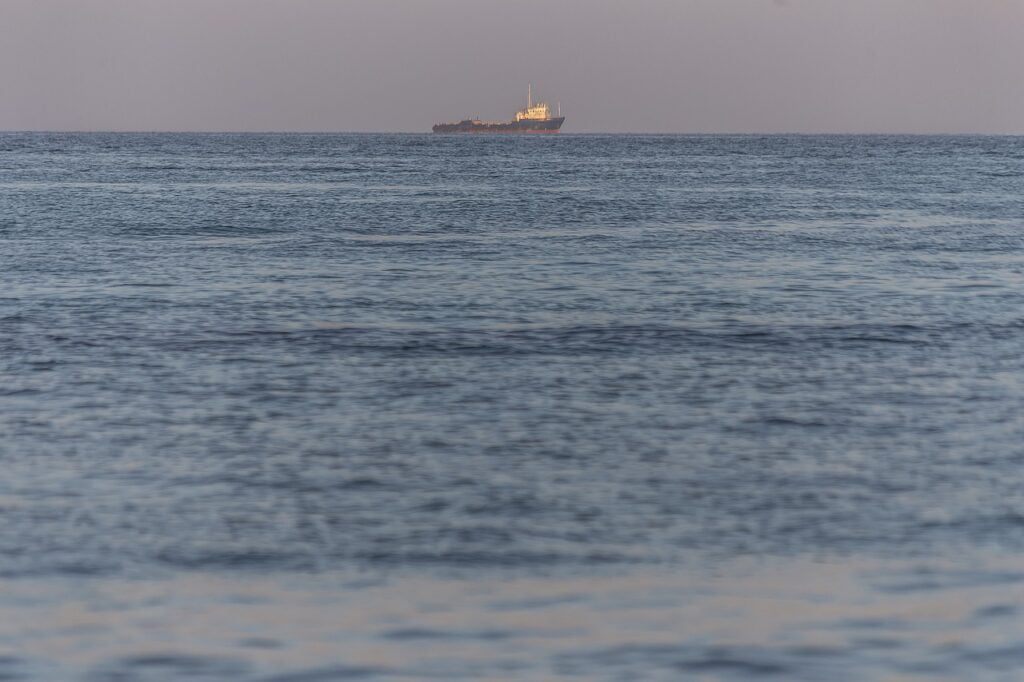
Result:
pixel 535 118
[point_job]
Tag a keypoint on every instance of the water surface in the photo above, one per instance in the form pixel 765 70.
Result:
pixel 267 400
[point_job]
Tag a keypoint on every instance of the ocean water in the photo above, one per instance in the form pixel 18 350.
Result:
pixel 391 407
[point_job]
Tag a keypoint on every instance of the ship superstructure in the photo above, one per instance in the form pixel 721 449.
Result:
pixel 535 118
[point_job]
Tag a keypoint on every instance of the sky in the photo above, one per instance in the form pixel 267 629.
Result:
pixel 690 66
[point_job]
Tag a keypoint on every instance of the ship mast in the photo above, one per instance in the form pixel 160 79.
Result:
pixel 529 95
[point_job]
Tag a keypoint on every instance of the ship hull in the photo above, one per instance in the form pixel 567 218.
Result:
pixel 551 125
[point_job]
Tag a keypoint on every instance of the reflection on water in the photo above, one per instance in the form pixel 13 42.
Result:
pixel 782 619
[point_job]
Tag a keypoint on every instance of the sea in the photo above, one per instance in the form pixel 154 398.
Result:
pixel 319 407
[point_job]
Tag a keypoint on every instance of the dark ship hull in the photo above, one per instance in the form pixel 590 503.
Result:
pixel 550 125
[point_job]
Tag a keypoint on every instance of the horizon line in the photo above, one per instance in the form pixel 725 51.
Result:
pixel 140 131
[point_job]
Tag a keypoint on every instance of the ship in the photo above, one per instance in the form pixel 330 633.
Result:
pixel 535 118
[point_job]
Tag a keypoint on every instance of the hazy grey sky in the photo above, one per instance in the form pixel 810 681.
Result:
pixel 637 65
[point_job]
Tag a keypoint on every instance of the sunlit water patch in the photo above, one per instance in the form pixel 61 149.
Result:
pixel 739 620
